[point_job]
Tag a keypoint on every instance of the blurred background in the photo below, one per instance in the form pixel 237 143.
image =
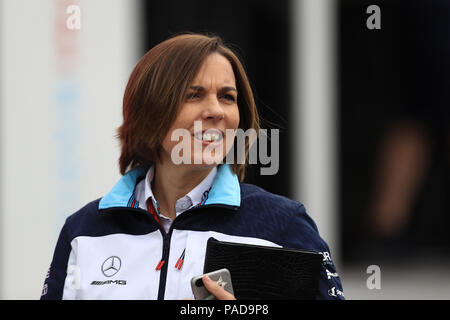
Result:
pixel 361 99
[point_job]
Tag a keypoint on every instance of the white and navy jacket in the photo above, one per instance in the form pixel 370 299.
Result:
pixel 112 249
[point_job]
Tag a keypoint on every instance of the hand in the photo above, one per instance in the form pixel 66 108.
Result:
pixel 219 292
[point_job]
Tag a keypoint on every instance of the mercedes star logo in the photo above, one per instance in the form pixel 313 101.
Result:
pixel 111 266
pixel 221 283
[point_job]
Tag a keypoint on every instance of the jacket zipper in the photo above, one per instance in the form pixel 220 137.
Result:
pixel 164 262
pixel 163 265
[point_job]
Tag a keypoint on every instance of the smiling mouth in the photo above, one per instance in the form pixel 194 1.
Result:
pixel 209 136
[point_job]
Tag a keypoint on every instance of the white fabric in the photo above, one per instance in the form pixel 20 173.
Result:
pixel 136 277
pixel 138 254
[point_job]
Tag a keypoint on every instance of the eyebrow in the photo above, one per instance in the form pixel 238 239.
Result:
pixel 223 89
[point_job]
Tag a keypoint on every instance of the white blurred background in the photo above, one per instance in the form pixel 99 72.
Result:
pixel 61 98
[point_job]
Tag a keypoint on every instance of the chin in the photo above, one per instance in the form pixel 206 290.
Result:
pixel 201 167
pixel 209 160
pixel 207 164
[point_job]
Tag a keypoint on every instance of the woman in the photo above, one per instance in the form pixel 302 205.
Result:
pixel 146 238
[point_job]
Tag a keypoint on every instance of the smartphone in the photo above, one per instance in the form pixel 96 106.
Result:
pixel 222 277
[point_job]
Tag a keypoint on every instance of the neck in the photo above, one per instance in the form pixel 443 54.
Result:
pixel 172 182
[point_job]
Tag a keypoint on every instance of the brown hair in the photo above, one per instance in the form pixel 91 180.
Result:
pixel 156 90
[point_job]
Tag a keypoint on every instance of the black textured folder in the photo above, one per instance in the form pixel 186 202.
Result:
pixel 260 272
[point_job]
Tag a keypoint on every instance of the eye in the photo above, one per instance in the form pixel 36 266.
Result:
pixel 228 97
pixel 192 96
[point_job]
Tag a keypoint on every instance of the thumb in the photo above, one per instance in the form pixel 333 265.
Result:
pixel 216 290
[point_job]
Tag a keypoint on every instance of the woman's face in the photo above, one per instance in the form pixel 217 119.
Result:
pixel 209 109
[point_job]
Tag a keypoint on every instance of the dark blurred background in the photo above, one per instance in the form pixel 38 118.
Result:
pixel 394 120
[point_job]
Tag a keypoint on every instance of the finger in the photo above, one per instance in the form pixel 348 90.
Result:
pixel 219 292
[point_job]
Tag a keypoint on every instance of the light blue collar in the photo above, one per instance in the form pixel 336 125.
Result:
pixel 225 189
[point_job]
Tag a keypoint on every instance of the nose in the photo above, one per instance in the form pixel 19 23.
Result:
pixel 213 109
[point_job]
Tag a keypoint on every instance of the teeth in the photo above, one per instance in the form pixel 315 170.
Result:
pixel 211 136
pixel 208 136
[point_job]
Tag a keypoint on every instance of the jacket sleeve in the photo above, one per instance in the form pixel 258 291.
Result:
pixel 303 233
pixel 54 281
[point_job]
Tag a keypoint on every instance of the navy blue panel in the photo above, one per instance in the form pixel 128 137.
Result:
pixel 89 221
pixel 54 281
pixel 261 215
